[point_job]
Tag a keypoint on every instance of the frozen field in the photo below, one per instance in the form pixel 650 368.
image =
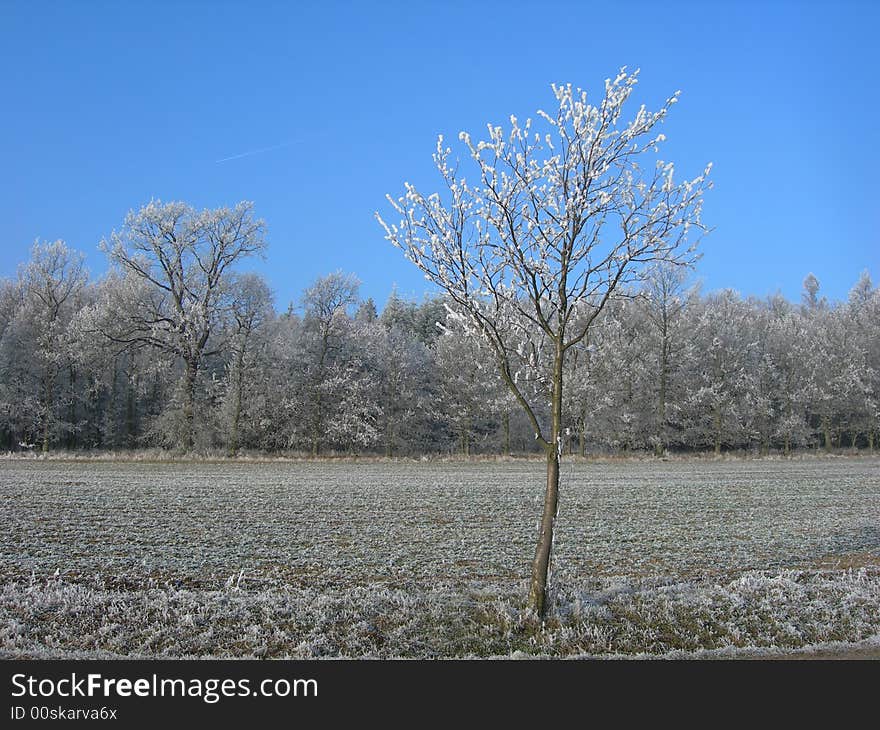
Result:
pixel 287 559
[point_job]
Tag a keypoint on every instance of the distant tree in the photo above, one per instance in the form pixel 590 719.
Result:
pixel 534 245
pixel 128 381
pixel 183 259
pixel 810 293
pixel 468 388
pixel 50 283
pixel 786 345
pixel 399 371
pixel 429 320
pixel 718 374
pixel 10 298
pixel 663 300
pixel 609 381
pixel 278 406
pixel 249 309
pixel 18 407
pixel 861 322
pixel 832 370
pixel 398 313
pixel 326 303
pixel 366 312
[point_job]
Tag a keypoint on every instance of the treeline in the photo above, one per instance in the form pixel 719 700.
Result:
pixel 175 348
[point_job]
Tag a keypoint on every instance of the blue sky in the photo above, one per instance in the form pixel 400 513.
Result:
pixel 106 105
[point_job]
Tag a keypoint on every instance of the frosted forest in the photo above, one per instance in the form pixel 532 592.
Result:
pixel 110 364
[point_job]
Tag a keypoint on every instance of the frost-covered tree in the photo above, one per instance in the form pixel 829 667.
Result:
pixel 581 394
pixel 19 409
pixel 663 300
pixel 422 321
pixel 469 398
pixel 786 347
pixel 832 365
pixel 276 408
pixel 249 309
pixel 50 286
pixel 810 293
pixel 533 245
pixel 130 384
pixel 718 375
pixel 326 322
pixel 858 321
pixel 863 320
pixel 181 258
pixel 399 368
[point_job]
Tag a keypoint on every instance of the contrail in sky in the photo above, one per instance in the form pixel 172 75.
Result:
pixel 256 152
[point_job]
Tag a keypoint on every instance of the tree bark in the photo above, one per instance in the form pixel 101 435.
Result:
pixel 389 438
pixel 130 410
pixel 189 398
pixel 661 400
pixel 826 433
pixel 48 404
pixel 236 406
pixel 466 436
pixel 110 432
pixel 318 420
pixel 71 414
pixel 541 564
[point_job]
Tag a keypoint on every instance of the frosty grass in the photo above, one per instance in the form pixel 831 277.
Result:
pixel 286 559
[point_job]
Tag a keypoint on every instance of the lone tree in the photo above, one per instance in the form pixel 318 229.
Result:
pixel 553 224
pixel 182 260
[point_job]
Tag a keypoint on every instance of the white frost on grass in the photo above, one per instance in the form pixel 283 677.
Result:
pixel 431 560
pixel 757 611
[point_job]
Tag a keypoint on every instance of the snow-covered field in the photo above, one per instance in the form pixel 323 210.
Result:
pixel 300 559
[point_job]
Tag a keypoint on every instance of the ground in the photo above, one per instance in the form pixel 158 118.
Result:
pixel 427 559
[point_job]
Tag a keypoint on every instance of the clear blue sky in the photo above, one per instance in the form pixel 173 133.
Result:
pixel 106 105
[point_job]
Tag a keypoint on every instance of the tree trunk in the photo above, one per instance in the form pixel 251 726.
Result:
pixel 236 418
pixel 507 433
pixel 465 437
pixel 661 399
pixel 389 439
pixel 48 403
pixel 189 400
pixel 318 421
pixel 583 437
pixel 129 411
pixel 826 433
pixel 541 564
pixel 71 414
pixel 717 420
pixel 237 403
